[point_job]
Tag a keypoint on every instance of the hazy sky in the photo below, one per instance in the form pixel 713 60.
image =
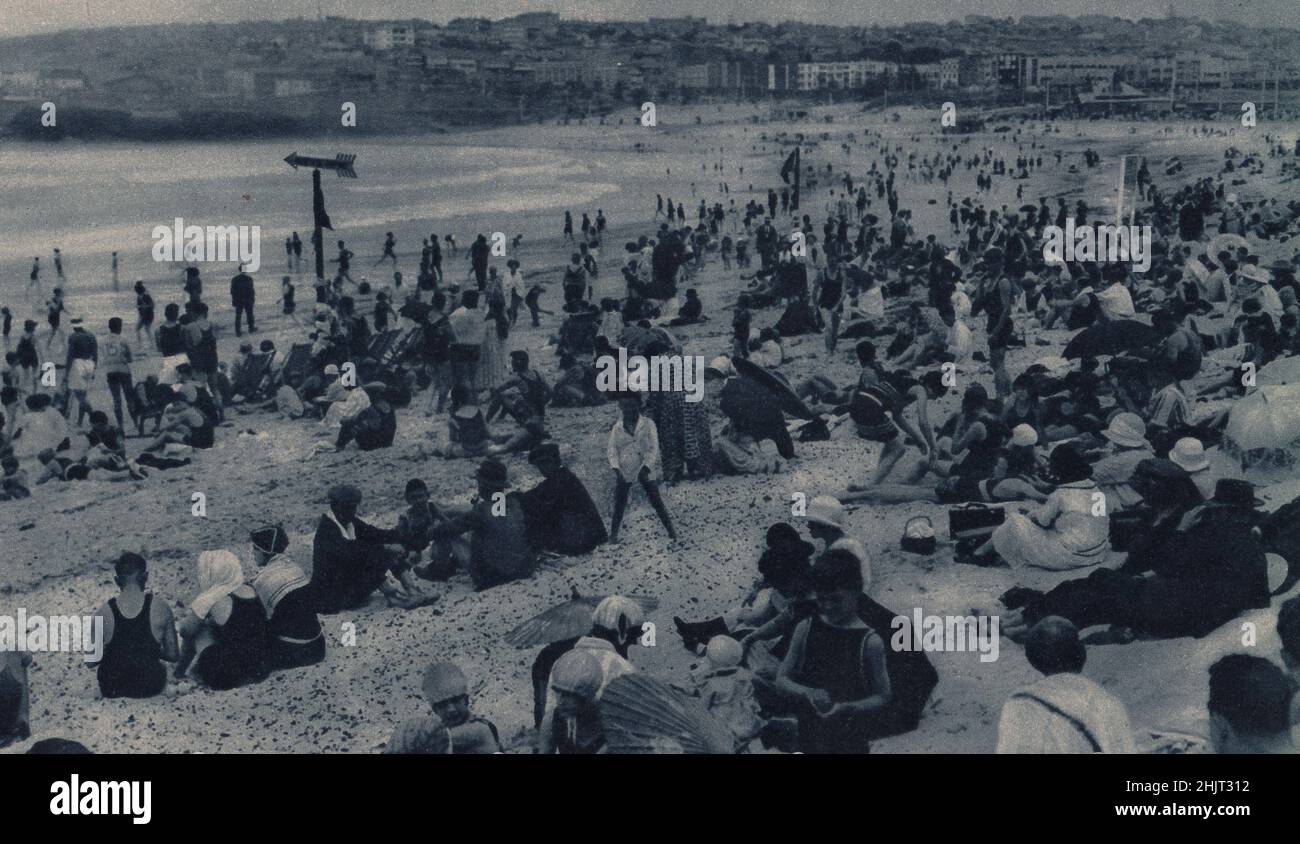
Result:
pixel 19 17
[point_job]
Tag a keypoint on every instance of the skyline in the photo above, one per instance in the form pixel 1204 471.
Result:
pixel 30 17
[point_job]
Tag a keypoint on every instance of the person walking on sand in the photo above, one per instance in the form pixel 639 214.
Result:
pixel 54 309
pixel 633 454
pixel 568 226
pixel 389 243
pixel 114 268
pixel 297 252
pixel 58 265
pixel 34 280
pixel 345 262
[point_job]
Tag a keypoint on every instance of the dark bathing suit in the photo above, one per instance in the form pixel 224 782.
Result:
pixel 132 664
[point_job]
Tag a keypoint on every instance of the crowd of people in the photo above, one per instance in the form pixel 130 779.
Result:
pixel 1102 447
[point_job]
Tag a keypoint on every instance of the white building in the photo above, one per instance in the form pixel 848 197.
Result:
pixel 390 36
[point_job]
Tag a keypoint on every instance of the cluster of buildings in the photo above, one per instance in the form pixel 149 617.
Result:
pixel 537 63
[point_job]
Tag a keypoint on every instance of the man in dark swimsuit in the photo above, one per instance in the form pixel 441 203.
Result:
pixel 139 633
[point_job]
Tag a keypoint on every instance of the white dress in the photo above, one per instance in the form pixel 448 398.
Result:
pixel 1076 538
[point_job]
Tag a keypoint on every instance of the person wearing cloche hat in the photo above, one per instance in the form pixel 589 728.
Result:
pixel 1128 447
pixel 447 692
pixel 1191 455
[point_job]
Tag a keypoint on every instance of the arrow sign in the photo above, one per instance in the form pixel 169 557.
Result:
pixel 341 163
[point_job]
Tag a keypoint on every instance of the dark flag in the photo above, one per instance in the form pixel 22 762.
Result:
pixel 322 220
pixel 791 165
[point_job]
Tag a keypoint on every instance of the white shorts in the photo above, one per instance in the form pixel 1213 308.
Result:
pixel 81 374
pixel 167 374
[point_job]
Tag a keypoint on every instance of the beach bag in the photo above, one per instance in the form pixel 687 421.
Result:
pixel 970 525
pixel 918 536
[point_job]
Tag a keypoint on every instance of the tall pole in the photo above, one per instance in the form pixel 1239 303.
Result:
pixel 318 235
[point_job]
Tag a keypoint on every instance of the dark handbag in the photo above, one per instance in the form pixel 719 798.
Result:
pixel 918 544
pixel 971 524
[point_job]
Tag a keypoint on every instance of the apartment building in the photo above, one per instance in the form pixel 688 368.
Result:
pixel 390 36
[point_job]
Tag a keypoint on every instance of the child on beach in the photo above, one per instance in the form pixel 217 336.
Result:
pixel 467 429
pixel 447 693
pixel 634 456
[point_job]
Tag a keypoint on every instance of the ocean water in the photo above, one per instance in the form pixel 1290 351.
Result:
pixel 89 200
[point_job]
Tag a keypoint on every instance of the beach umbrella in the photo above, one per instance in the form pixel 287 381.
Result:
pixel 642 715
pixel 1229 243
pixel 566 621
pixel 776 387
pixel 1110 337
pixel 1267 418
pixel 1280 371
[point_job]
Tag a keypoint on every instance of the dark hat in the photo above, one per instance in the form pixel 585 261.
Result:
pixel 272 539
pixel 1068 464
pixel 493 472
pixel 345 494
pixel 1235 491
pixel 512 263
pixel 783 535
pixel 544 451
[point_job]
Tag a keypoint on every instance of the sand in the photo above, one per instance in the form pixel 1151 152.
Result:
pixel 60 543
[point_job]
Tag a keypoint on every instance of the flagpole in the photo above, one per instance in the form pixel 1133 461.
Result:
pixel 319 236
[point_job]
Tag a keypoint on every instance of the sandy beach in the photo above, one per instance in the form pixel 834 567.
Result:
pixel 59 543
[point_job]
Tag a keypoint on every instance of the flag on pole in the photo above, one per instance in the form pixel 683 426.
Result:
pixel 322 220
pixel 791 165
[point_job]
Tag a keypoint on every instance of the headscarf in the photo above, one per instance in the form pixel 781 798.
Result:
pixel 220 573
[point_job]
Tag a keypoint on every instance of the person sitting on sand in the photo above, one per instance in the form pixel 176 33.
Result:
pixel 726 688
pixel 497 529
pixel 526 381
pixel 835 666
pixel 766 617
pixel 225 635
pixel 41 427
pixel 691 311
pixel 877 406
pixel 562 517
pixel 375 426
pixel 529 426
pixel 283 588
pixel 14 485
pixel 576 386
pixel 633 453
pixel 574 725
pixel 183 423
pixel 447 693
pixel 1212 569
pixel 349 561
pixel 1128 447
pixel 615 625
pixel 422 736
pixel 1064 712
pixel 1066 532
pixel 1288 631
pixel 416 524
pixel 1250 706
pixel 15 697
pixel 139 634
pixel 467 429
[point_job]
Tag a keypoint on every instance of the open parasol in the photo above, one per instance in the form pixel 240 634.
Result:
pixel 1110 337
pixel 1267 418
pixel 1229 243
pixel 566 621
pixel 785 397
pixel 643 715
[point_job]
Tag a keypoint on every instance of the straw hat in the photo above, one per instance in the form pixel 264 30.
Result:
pixel 1126 429
pixel 1255 273
pixel 1190 454
pixel 827 511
